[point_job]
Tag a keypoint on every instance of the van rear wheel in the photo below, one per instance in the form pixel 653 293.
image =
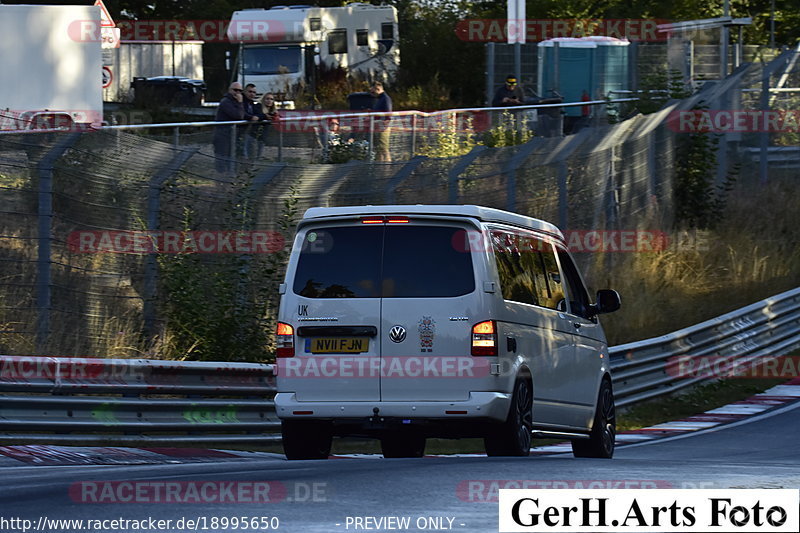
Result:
pixel 304 439
pixel 601 440
pixel 401 444
pixel 513 438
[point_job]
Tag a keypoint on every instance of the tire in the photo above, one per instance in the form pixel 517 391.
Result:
pixel 397 445
pixel 604 429
pixel 513 438
pixel 304 439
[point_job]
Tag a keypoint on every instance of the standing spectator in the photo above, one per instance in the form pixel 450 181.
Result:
pixel 252 112
pixel 510 94
pixel 586 110
pixel 383 103
pixel 269 112
pixel 230 108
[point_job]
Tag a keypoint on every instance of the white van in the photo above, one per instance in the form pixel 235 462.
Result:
pixel 411 321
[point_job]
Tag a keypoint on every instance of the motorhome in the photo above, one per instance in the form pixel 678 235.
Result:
pixel 52 70
pixel 280 48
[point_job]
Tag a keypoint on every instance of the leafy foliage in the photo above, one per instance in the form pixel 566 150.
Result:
pixel 220 307
pixel 699 202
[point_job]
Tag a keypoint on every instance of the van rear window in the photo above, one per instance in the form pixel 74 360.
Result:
pixel 383 261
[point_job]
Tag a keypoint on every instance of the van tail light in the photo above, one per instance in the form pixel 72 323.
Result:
pixel 397 220
pixel 484 338
pixel 284 340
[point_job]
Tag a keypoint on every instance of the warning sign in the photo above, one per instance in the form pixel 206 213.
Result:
pixel 109 33
pixel 105 19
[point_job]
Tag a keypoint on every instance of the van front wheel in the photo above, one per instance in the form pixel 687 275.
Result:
pixel 513 438
pixel 604 429
pixel 304 439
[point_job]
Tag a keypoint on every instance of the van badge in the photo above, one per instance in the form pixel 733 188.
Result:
pixel 397 334
pixel 427 330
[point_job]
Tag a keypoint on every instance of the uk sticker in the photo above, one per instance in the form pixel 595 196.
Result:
pixel 427 331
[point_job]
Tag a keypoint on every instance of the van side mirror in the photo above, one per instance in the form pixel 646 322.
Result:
pixel 607 302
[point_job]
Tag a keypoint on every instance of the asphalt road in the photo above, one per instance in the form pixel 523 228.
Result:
pixel 449 493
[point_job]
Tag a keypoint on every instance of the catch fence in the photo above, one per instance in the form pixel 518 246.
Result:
pixel 61 187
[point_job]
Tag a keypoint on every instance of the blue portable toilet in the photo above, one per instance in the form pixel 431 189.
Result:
pixel 595 64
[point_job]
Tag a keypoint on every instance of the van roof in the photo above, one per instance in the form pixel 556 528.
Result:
pixel 484 214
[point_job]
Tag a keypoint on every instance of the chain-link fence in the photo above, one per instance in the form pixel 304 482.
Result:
pixel 80 211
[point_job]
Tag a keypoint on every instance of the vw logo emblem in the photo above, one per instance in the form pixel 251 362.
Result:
pixel 397 334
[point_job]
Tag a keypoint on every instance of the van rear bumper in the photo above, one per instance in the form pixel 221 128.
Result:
pixel 489 406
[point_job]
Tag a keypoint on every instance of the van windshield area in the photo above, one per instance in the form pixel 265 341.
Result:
pixel 384 261
pixel 262 61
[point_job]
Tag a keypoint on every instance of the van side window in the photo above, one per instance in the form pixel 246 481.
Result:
pixel 337 42
pixel 578 298
pixel 516 282
pixel 555 295
pixel 527 269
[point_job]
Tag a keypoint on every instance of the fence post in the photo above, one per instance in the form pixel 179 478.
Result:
pixel 153 212
pixel 763 136
pixel 372 135
pixel 458 168
pixel 280 143
pixel 413 135
pixel 233 155
pixel 490 52
pixel 45 218
pixel 563 198
pixel 176 137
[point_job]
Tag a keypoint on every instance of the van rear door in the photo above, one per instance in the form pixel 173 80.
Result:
pixel 428 308
pixel 334 303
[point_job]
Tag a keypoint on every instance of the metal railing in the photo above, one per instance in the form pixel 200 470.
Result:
pixel 49 399
pixel 409 129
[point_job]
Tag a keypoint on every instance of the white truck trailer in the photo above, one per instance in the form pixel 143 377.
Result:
pixel 281 46
pixel 51 65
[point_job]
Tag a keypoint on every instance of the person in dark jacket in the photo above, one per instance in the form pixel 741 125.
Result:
pixel 510 94
pixel 230 108
pixel 252 111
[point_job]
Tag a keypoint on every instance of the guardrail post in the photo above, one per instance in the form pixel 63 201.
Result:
pixel 43 262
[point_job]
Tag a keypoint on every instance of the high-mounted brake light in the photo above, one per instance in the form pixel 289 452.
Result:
pixel 385 220
pixel 484 338
pixel 284 340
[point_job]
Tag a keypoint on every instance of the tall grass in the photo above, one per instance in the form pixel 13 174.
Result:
pixel 751 254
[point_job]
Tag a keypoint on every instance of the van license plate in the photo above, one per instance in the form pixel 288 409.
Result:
pixel 337 345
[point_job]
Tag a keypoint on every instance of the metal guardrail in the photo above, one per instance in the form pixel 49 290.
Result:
pixel 49 399
pixel 752 334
